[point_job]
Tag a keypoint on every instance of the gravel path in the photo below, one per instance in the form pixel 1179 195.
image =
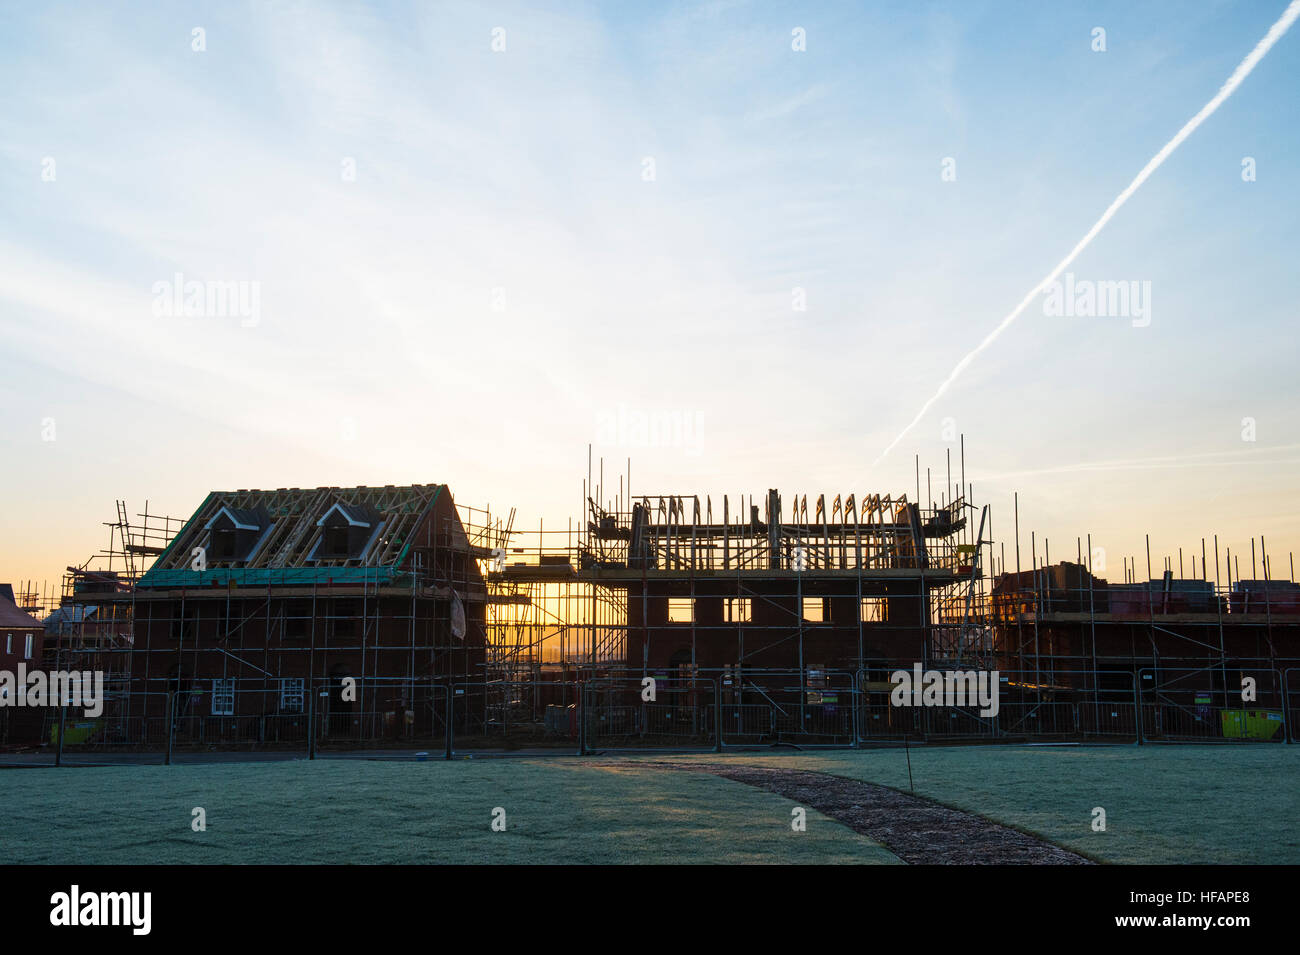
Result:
pixel 917 830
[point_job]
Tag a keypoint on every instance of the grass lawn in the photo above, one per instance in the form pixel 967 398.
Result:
pixel 359 811
pixel 1164 804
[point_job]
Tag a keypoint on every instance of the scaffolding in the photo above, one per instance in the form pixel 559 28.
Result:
pixel 573 603
pixel 91 618
pixel 779 607
pixel 38 598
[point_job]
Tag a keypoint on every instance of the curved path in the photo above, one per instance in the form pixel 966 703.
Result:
pixel 917 830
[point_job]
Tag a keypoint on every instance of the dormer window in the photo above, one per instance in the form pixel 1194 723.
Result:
pixel 234 533
pixel 225 543
pixel 334 542
pixel 347 531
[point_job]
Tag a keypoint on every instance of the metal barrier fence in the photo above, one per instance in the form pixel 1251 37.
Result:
pixel 360 712
pixel 606 708
pixel 1232 703
pixel 1077 705
pixel 622 710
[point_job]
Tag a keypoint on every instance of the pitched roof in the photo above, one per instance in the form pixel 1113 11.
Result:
pixel 295 517
pixel 69 614
pixel 11 616
pixel 357 515
pixel 244 518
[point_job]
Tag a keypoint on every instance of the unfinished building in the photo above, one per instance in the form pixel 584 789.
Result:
pixel 1201 657
pixel 777 606
pixel 755 619
pixel 269 604
pixel 786 588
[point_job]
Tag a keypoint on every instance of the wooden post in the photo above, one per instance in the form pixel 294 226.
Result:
pixel 717 714
pixel 171 726
pixel 450 709
pixel 63 715
pixel 582 713
pixel 311 719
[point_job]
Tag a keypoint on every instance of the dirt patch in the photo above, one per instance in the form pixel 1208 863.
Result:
pixel 917 830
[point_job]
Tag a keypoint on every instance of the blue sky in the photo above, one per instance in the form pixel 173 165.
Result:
pixel 501 280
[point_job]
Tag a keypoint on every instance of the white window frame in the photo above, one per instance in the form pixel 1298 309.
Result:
pixel 9 643
pixel 293 689
pixel 223 697
pixel 31 641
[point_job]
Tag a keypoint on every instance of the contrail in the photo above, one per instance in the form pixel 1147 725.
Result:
pixel 1227 89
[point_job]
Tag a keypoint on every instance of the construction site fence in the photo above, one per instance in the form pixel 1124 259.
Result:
pixel 598 708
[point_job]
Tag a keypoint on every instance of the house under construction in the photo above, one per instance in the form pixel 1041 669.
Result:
pixel 781 587
pixel 391 612
pixel 262 597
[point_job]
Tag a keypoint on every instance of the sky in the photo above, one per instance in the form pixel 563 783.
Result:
pixel 739 244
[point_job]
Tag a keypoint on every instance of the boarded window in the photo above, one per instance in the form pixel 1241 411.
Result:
pixel 229 620
pixel 182 621
pixel 334 542
pixel 223 545
pixel 297 619
pixel 347 611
